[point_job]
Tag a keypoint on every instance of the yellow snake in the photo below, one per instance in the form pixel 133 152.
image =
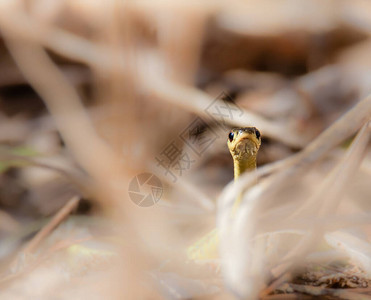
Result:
pixel 243 144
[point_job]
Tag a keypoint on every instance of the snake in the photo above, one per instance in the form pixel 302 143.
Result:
pixel 243 144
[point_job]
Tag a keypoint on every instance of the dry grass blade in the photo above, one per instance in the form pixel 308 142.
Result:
pixel 197 101
pixel 327 198
pixel 359 250
pixel 186 97
pixel 93 154
pixel 65 106
pixel 95 92
pixel 240 255
pixel 62 42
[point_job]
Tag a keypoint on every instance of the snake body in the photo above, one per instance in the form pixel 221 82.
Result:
pixel 243 144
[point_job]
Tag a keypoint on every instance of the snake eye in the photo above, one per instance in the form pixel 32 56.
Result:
pixel 231 136
pixel 257 133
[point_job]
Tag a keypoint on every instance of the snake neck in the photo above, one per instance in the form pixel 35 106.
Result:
pixel 241 166
pixel 244 165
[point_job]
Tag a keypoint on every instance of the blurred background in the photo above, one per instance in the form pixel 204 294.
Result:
pixel 127 106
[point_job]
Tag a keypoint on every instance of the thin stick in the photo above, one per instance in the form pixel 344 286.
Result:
pixel 51 225
pixel 40 236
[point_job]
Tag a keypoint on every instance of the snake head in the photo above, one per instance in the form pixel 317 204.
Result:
pixel 244 142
